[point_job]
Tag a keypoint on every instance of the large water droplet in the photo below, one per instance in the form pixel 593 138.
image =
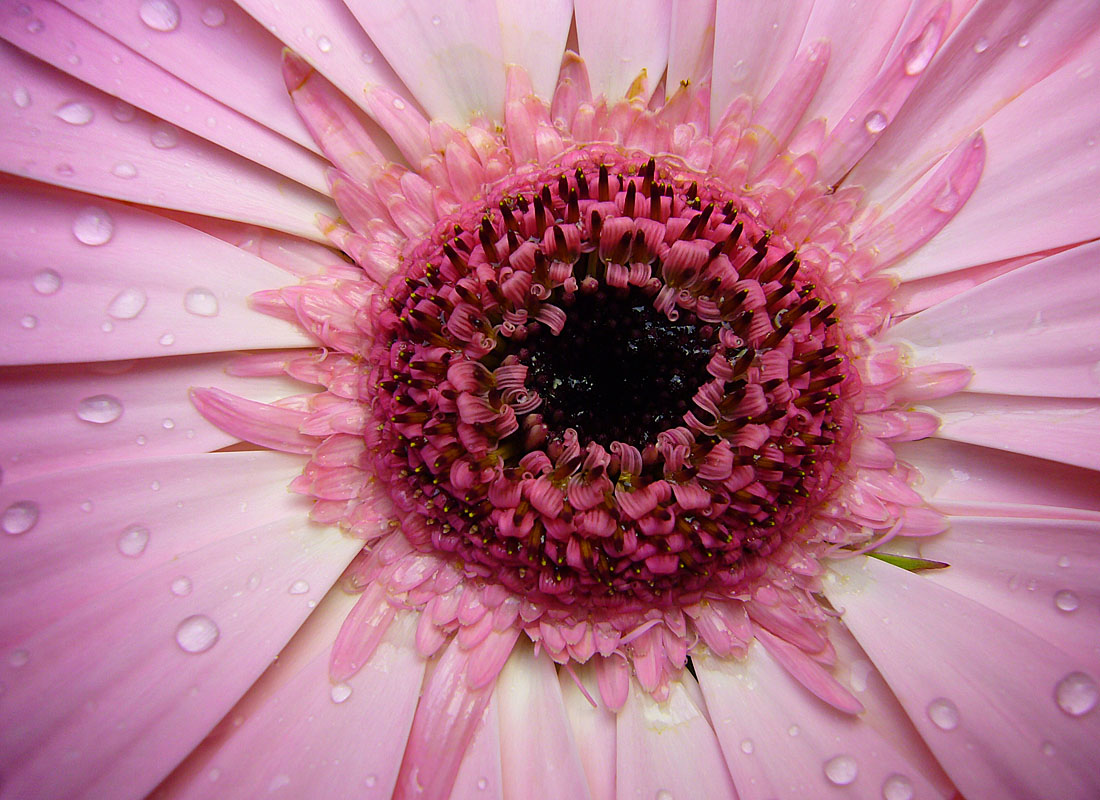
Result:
pixel 99 409
pixel 340 692
pixel 1066 600
pixel 944 714
pixel 897 787
pixel 127 304
pixel 160 15
pixel 124 170
pixel 197 634
pixel 920 52
pixel 841 770
pixel 132 540
pixel 19 517
pixel 213 17
pixel 181 586
pixel 875 122
pixel 1076 694
pixel 299 587
pixel 20 96
pixel 201 302
pixel 75 113
pixel 46 281
pixel 93 226
pixel 164 136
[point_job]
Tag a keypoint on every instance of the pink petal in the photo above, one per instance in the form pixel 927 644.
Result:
pixel 691 44
pixel 272 426
pixel 618 47
pixel 532 35
pixel 533 721
pixel 147 286
pixel 593 730
pixel 981 689
pixel 669 746
pixel 479 773
pixel 333 740
pixel 781 742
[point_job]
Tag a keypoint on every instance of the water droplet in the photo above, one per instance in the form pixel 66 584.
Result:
pixel 944 714
pixel 181 586
pixel 197 634
pixel 127 304
pixel 875 122
pixel 87 506
pixel 74 59
pixel 123 111
pixel 981 44
pixel 1063 562
pixel 46 281
pixel 99 409
pixel 75 113
pixel 482 784
pixel 399 104
pixel 436 20
pixel 278 782
pixel 663 794
pixel 1076 694
pixel 841 770
pixel 1047 748
pixel 253 582
pixel 213 17
pixel 947 200
pixel 201 302
pixel 18 658
pixel 167 340
pixel 747 746
pixel 124 170
pixel 141 440
pixel 65 170
pixel 794 730
pixel 1023 41
pixel 164 136
pixel 340 692
pixel 299 587
pixel 132 540
pixel 324 44
pixel 213 774
pixel 29 322
pixel 897 787
pixel 19 517
pixel 919 53
pixel 20 96
pixel 155 486
pixel 107 327
pixel 160 15
pixel 93 226
pixel 1066 600
pixel 167 423
pixel 35 25
pixel 370 780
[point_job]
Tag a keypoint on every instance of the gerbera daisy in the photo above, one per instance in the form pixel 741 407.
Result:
pixel 511 399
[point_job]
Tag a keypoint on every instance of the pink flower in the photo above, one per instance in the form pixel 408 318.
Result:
pixel 522 400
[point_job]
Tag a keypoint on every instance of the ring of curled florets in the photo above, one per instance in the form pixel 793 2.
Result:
pixel 693 504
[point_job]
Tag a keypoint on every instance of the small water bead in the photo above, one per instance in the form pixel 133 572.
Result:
pixel 127 304
pixel 75 113
pixel 168 424
pixel 944 714
pixel 154 486
pixel 20 96
pixel 1023 41
pixel 133 540
pixel 87 506
pixel 93 226
pixel 897 787
pixel 181 586
pixel 124 170
pixel 298 587
pixel 213 774
pixel 436 20
pixel 1063 562
pixel 875 122
pixel 123 111
pixel 18 658
pixel 841 770
pixel 197 634
pixel 482 784
pixel 213 17
pixel 19 517
pixel 981 45
pixel 253 582
pixel 920 53
pixel 160 15
pixel 1076 694
pixel 107 327
pixel 167 340
pixel 201 302
pixel 141 440
pixel 324 44
pixel 747 746
pixel 65 170
pixel 29 322
pixel 340 692
pixel 1048 749
pixel 1066 600
pixel 663 794
pixel 794 730
pixel 46 282
pixel 399 104
pixel 947 201
pixel 99 409
pixel 35 26
pixel 164 136
pixel 370 780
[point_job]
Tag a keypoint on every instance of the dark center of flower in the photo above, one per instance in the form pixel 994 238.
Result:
pixel 608 385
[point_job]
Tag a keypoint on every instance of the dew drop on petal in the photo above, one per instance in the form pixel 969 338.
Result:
pixel 253 582
pixel 127 304
pixel 875 122
pixel 201 302
pixel 299 587
pixel 370 780
pixel 841 770
pixel 29 321
pixel 1048 749
pixel 197 634
pixel 340 692
pixel 124 170
pixel 944 714
pixel 324 44
pixel 213 17
pixel 181 586
pixel 99 409
pixel 399 104
pixel 93 226
pixel 133 540
pixel 123 111
pixel 1076 694
pixel 947 201
pixel 164 136
pixel 168 424
pixel 75 113
pixel 167 340
pixel 794 730
pixel 19 517
pixel 981 45
pixel 897 787
pixel 21 97
pixel 160 15
pixel 1023 41
pixel 436 20
pixel 919 53
pixel 1066 600
pixel 1063 562
pixel 747 746
pixel 663 794
pixel 46 281
pixel 18 658
pixel 35 25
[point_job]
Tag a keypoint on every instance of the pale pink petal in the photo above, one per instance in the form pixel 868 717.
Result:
pixel 1059 429
pixel 593 729
pixel 74 46
pixel 76 415
pixel 533 721
pixel 448 55
pixel 479 774
pixel 1031 331
pixel 780 741
pixel 758 40
pixel 1061 145
pixel 89 279
pixel 991 714
pixel 68 135
pixel 690 44
pixel 276 427
pixel 620 43
pixel 532 35
pixel 669 747
pixel 917 295
pixel 996 53
pixel 297 734
pixel 116 692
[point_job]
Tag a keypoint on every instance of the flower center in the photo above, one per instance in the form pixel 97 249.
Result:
pixel 609 384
